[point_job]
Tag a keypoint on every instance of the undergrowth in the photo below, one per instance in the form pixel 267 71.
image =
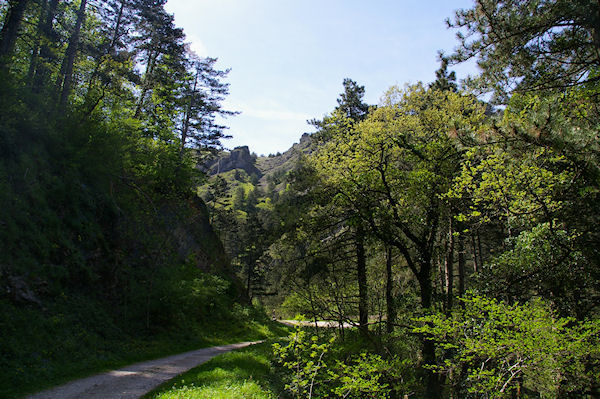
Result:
pixel 76 338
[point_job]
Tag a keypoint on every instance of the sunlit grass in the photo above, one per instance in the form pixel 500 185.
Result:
pixel 39 351
pixel 245 373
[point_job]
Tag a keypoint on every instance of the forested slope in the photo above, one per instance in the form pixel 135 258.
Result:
pixel 106 252
pixel 458 235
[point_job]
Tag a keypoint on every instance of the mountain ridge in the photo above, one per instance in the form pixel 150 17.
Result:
pixel 266 168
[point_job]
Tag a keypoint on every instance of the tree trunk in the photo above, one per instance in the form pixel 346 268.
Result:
pixel 186 120
pixel 479 251
pixel 461 265
pixel 249 282
pixel 36 43
pixel 107 51
pixel 432 383
pixel 115 37
pixel 476 261
pixel 389 296
pixel 10 30
pixel 46 55
pixel 361 269
pixel 146 85
pixel 70 56
pixel 449 267
pixel 596 31
pixel 442 273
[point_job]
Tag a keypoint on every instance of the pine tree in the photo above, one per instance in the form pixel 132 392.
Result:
pixel 202 96
pixel 10 30
pixel 535 45
pixel 65 79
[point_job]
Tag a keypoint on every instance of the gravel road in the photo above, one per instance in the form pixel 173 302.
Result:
pixel 324 324
pixel 135 380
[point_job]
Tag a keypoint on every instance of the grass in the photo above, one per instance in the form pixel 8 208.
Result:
pixel 245 373
pixel 43 349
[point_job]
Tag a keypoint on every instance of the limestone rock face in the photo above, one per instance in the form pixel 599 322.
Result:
pixel 238 158
pixel 280 164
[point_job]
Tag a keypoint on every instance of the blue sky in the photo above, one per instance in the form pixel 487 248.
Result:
pixel 288 58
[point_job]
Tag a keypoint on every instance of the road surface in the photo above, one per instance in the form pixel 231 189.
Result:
pixel 320 323
pixel 137 379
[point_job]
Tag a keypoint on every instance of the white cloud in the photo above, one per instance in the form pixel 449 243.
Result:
pixel 197 46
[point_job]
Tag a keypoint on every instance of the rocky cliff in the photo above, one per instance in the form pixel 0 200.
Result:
pixel 238 158
pixel 279 165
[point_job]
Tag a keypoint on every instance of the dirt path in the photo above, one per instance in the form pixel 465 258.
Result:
pixel 135 380
pixel 324 324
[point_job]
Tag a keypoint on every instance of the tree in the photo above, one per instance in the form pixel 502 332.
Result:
pixel 41 61
pixel 351 102
pixel 393 169
pixel 402 157
pixel 539 164
pixel 113 54
pixel 537 45
pixel 315 256
pixel 530 196
pixel 202 96
pixel 350 106
pixel 161 44
pixel 10 29
pixel 496 349
pixel 65 79
pixel 444 80
pixel 351 110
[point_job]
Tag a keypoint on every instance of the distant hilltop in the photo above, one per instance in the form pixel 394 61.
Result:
pixel 263 166
pixel 238 158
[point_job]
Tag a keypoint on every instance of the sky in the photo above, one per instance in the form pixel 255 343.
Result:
pixel 288 58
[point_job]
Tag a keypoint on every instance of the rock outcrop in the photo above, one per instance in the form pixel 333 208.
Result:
pixel 279 165
pixel 238 158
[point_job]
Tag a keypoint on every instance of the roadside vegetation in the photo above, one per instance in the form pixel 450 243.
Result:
pixel 82 340
pixel 245 373
pixel 454 224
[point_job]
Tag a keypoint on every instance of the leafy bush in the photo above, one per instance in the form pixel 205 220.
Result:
pixel 493 349
pixel 321 368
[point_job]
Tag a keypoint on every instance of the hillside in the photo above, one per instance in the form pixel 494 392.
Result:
pixel 238 158
pixel 276 166
pixel 271 168
pixel 241 193
pixel 107 254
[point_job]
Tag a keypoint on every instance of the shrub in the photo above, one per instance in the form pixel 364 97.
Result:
pixel 492 349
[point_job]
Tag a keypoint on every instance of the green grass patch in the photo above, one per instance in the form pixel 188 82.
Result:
pixel 245 373
pixel 41 349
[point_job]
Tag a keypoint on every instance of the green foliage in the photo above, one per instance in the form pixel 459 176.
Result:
pixel 244 373
pixel 366 376
pixel 540 45
pixel 534 177
pixel 543 261
pixel 393 168
pixel 323 368
pixel 499 186
pixel 492 348
pixel 303 357
pixel 188 297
